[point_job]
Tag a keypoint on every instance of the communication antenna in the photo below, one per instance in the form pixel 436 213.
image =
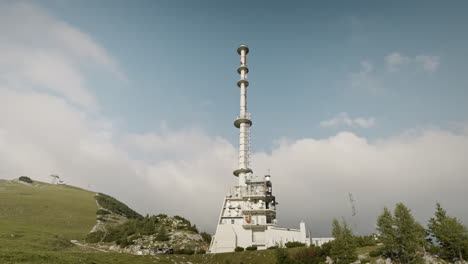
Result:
pixel 55 178
pixel 352 201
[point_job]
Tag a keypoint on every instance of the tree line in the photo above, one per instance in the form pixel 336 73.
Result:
pixel 399 237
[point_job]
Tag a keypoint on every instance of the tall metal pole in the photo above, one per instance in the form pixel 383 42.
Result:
pixel 243 121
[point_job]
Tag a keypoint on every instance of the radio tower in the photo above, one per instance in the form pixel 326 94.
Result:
pixel 243 121
pixel 248 214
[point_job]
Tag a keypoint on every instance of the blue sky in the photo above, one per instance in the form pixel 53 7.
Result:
pixel 180 59
pixel 137 98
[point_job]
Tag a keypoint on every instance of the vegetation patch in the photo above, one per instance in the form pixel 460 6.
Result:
pixel 251 248
pixel 102 212
pixel 294 244
pixel 238 249
pixel 25 179
pixel 114 205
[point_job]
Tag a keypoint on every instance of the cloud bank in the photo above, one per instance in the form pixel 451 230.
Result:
pixel 427 63
pixel 344 119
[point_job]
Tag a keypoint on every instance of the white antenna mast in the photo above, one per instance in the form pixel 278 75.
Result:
pixel 243 121
pixel 353 210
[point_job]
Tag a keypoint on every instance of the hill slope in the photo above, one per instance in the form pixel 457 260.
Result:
pixel 41 216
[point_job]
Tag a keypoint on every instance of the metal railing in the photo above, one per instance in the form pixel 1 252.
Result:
pixel 246 191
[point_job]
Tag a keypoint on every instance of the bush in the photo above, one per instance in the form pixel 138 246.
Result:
pixel 365 260
pixel 365 241
pixel 201 251
pixel 193 228
pixel 326 248
pixel 162 235
pixel 25 179
pixel 273 247
pixel 206 237
pixel 124 242
pixel 114 205
pixel 184 251
pixel 102 212
pixel 375 253
pixel 309 255
pixel 94 237
pixel 282 256
pixel 433 249
pixel 294 244
pixel 238 249
pixel 251 248
pixel 189 251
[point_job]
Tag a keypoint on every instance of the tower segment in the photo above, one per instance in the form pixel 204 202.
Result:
pixel 243 121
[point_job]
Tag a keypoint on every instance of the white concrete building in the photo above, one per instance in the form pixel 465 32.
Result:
pixel 248 215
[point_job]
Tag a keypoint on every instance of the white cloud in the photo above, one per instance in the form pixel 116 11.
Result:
pixel 313 177
pixel 42 52
pixel 428 63
pixel 394 60
pixel 364 79
pixel 344 119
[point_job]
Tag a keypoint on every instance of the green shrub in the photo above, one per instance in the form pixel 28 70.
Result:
pixel 25 179
pixel 114 205
pixel 251 248
pixel 433 249
pixel 326 248
pixel 102 212
pixel 365 260
pixel 282 256
pixel 294 244
pixel 365 241
pixel 184 251
pixel 188 251
pixel 162 234
pixel 206 237
pixel 309 255
pixel 375 253
pixel 94 237
pixel 124 242
pixel 238 249
pixel 201 251
pixel 192 228
pixel 273 247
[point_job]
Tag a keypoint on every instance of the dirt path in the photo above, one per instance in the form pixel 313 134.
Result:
pixel 75 242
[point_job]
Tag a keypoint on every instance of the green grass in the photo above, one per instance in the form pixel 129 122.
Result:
pixel 43 216
pixel 39 257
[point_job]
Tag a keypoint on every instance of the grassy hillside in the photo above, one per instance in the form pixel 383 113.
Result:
pixel 38 220
pixel 260 257
pixel 43 216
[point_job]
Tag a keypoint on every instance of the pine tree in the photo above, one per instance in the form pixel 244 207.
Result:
pixel 343 249
pixel 451 234
pixel 402 236
pixel 148 228
pixel 162 234
pixel 387 233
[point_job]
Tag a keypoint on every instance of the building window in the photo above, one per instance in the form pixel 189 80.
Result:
pixel 232 221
